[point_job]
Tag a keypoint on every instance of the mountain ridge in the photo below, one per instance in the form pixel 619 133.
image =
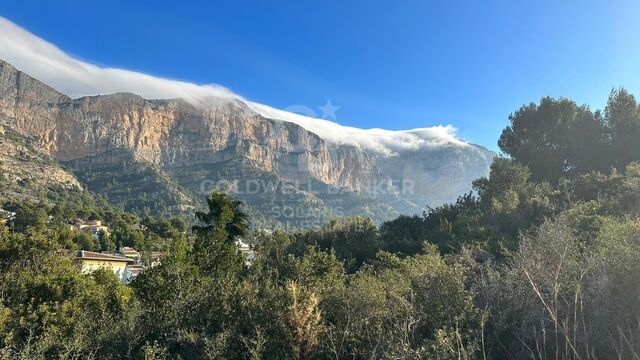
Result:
pixel 176 137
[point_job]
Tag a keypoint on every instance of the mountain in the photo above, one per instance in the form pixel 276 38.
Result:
pixel 165 155
pixel 28 174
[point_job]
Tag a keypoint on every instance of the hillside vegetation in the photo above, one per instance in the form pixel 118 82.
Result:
pixel 539 262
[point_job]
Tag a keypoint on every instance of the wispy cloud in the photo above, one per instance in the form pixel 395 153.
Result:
pixel 77 78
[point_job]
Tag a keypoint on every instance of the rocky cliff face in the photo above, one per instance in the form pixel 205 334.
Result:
pixel 26 173
pixel 167 133
pixel 225 138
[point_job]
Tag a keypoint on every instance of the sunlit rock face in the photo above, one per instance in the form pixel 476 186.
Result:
pixel 177 137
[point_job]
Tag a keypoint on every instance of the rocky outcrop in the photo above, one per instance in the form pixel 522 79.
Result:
pixel 26 173
pixel 174 134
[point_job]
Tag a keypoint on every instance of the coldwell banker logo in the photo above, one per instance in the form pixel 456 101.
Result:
pixel 301 150
pixel 328 111
pixel 297 162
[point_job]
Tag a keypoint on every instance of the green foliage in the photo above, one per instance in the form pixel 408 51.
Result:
pixel 184 302
pixel 354 240
pixel 130 184
pixel 417 308
pixel 541 261
pixel 556 138
pixel 577 293
pixel 123 234
pixel 28 216
pixel 622 115
pixel 405 234
pixel 49 309
pixel 214 248
pixel 618 192
pixel 86 241
pixel 224 217
pixel 510 201
pixel 106 244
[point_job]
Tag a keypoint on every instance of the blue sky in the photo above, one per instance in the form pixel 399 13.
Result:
pixel 388 64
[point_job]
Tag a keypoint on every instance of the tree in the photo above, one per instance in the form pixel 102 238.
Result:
pixel 622 116
pixel 556 138
pixel 617 193
pixel 405 234
pixel 224 216
pixel 214 249
pixel 354 240
pixel 86 241
pixel 184 307
pixel 122 234
pixel 567 293
pixel 28 216
pixel 412 308
pixel 510 202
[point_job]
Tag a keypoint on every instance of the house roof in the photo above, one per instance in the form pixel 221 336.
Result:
pixel 136 268
pixel 90 255
pixel 128 250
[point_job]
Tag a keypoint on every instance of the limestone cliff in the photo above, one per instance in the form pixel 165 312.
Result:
pixel 223 139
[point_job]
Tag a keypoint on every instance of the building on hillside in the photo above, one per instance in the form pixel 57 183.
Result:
pixel 246 250
pixel 132 271
pixel 6 216
pixel 90 261
pixel 139 227
pixel 93 227
pixel 156 258
pixel 131 253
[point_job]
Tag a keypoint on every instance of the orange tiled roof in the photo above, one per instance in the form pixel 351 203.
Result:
pixel 128 250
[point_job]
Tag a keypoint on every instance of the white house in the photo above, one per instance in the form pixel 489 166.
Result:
pixel 90 261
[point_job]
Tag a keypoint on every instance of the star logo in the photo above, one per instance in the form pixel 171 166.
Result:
pixel 328 110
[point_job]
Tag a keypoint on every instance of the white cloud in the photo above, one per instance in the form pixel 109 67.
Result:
pixel 76 78
pixel 380 140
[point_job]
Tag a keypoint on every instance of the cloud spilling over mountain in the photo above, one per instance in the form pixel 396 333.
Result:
pixel 77 78
pixel 380 140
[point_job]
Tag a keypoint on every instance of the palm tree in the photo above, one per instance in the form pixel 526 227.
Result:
pixel 224 213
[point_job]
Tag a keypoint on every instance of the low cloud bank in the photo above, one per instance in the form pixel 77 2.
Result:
pixel 380 140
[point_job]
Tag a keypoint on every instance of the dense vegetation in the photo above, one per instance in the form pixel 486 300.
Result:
pixel 132 185
pixel 540 262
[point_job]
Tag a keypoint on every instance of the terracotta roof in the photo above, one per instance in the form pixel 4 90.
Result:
pixel 129 250
pixel 90 255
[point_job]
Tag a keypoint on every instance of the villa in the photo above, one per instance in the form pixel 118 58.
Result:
pixel 93 227
pixel 90 261
pixel 130 253
pixel 246 250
